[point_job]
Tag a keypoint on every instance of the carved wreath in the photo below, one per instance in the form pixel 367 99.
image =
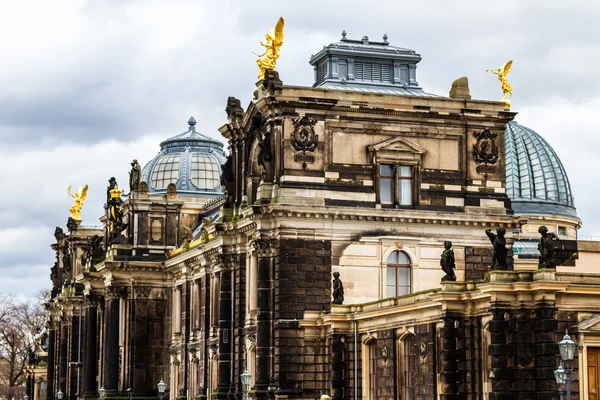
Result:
pixel 485 150
pixel 304 137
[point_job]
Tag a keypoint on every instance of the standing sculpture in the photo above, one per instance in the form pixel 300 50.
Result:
pixel 502 73
pixel 274 40
pixel 546 248
pixel 338 289
pixel 500 253
pixel 112 183
pixel 447 262
pixel 135 176
pixel 79 197
pixel 115 214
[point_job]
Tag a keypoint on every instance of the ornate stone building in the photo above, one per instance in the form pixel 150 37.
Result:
pixel 364 174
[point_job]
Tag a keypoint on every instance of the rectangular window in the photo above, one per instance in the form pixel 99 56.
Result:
pixel 562 231
pixel 395 184
pixel 404 185
pixel 386 178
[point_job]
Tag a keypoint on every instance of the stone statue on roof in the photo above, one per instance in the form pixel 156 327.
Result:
pixel 135 176
pixel 546 248
pixel 500 252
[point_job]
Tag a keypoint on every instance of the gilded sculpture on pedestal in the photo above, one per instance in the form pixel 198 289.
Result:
pixel 273 42
pixel 79 197
pixel 502 73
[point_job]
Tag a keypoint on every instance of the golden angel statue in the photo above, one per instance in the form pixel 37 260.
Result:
pixel 79 197
pixel 274 40
pixel 502 73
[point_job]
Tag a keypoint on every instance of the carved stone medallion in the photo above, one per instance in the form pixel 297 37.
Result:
pixel 304 139
pixel 485 150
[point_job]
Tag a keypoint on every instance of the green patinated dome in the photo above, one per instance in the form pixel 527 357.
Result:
pixel 536 180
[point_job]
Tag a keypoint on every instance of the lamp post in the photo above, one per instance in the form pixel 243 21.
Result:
pixel 245 378
pixel 161 389
pixel 25 397
pixel 102 392
pixel 567 353
pixel 559 375
pixel 130 393
pixel 59 395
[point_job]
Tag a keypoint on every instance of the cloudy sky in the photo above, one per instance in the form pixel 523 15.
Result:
pixel 86 86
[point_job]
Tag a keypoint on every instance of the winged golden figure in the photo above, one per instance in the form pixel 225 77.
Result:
pixel 272 44
pixel 502 73
pixel 79 197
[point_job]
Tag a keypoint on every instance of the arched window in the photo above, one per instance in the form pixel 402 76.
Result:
pixel 397 274
pixel 410 367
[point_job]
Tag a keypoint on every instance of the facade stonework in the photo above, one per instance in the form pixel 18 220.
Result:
pixel 317 181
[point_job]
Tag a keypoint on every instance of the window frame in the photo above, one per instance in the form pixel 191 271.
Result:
pixel 409 368
pixel 372 371
pixel 398 267
pixel 396 188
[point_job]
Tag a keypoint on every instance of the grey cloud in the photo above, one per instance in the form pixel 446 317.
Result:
pixel 84 86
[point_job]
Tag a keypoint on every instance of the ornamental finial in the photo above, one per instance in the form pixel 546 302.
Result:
pixel 192 123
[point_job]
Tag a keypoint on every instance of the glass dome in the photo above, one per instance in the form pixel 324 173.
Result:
pixel 536 180
pixel 190 160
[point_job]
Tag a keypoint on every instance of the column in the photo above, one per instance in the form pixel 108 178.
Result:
pixel 29 386
pixel 214 312
pixel 338 367
pixel 263 318
pixel 252 293
pixel 90 357
pixel 449 358
pixel 51 357
pixel 501 354
pixel 111 367
pixel 224 371
pixel 63 354
pixel 140 365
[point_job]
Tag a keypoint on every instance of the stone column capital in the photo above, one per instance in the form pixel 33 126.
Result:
pixel 115 292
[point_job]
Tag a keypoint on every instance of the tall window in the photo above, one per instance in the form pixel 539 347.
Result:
pixel 397 274
pixel 395 184
pixel 373 370
pixel 410 366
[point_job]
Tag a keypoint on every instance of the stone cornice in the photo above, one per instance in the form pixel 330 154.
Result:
pixel 386 215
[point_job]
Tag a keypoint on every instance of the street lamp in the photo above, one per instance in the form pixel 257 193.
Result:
pixel 245 378
pixel 559 375
pixel 25 397
pixel 567 353
pixel 130 393
pixel 102 392
pixel 161 389
pixel 59 395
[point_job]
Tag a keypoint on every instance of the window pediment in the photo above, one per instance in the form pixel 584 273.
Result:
pixel 396 148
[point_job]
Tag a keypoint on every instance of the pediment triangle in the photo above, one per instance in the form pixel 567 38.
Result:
pixel 399 144
pixel 590 324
